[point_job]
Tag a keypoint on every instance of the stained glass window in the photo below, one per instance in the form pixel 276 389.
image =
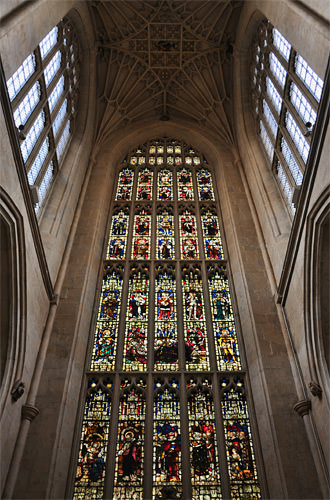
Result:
pixel 188 236
pixel 167 440
pixel 125 184
pixel 130 441
pixel 196 345
pixel 239 446
pixel 205 475
pixel 211 235
pixel 165 236
pixel 135 350
pixel 275 67
pixel 165 315
pixel 166 339
pixel 185 184
pixel 90 474
pixel 225 336
pixel 105 340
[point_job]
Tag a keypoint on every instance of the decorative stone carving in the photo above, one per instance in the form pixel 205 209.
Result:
pixel 29 412
pixel 302 407
pixel 315 388
pixel 17 390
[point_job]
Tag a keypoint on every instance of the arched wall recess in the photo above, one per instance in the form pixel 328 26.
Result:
pixel 14 317
pixel 316 289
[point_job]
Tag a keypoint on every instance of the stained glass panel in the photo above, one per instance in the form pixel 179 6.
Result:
pixel 165 185
pixel 188 236
pixel 135 350
pixel 89 480
pixel 239 446
pixel 227 350
pixel 165 236
pixel 166 342
pixel 202 436
pixel 205 187
pixel 118 236
pixel 130 442
pixel 144 189
pixel 167 441
pixel 125 184
pixel 196 345
pixel 105 338
pixel 185 185
pixel 141 235
pixel 211 234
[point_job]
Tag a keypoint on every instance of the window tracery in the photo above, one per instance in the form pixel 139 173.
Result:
pixel 43 94
pixel 165 330
pixel 286 93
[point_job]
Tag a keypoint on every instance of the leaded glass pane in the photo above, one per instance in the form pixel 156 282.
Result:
pixel 205 187
pixel 196 344
pixel 48 42
pixel 165 185
pixel 63 140
pixel 166 341
pixel 277 69
pixel 301 104
pixel 274 95
pixel 52 67
pixel 167 440
pixel 21 76
pixel 165 236
pixel 288 191
pixel 226 344
pixel 38 162
pixel 202 436
pixel 188 236
pixel 125 184
pixel 281 44
pixel 24 110
pixel 297 136
pixel 266 141
pixel 312 81
pixel 33 135
pixel 130 441
pixel 239 446
pixel 141 236
pixel 291 162
pixel 185 185
pixel 89 480
pixel 144 190
pixel 135 350
pixel 118 236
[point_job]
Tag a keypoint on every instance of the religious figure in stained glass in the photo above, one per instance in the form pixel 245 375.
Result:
pixel 185 185
pixel 205 188
pixel 144 189
pixel 141 232
pixel 165 185
pixel 211 234
pixel 165 236
pixel 125 184
pixel 89 481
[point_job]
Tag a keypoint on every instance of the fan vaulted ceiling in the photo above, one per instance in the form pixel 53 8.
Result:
pixel 165 60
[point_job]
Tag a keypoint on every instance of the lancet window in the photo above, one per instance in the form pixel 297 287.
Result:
pixel 286 94
pixel 44 94
pixel 166 412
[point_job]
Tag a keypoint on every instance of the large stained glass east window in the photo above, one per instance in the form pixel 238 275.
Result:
pixel 166 410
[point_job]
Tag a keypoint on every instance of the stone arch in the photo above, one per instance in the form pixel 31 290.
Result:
pixel 13 300
pixel 317 295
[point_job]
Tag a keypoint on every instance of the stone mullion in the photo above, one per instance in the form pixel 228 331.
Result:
pixel 152 275
pixel 148 443
pixel 112 444
pixel 185 445
pixel 220 435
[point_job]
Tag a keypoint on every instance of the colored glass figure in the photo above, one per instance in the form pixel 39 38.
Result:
pixel 167 442
pixel 89 481
pixel 125 184
pixel 188 236
pixel 152 150
pixel 165 185
pixel 202 435
pixel 144 189
pixel 118 236
pixel 166 342
pixel 185 185
pixel 165 236
pixel 211 234
pixel 239 446
pixel 141 236
pixel 227 350
pixel 105 338
pixel 205 188
pixel 135 349
pixel 129 457
pixel 196 345
pixel 142 160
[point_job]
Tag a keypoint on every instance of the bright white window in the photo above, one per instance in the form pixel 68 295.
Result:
pixel 270 119
pixel 292 164
pixel 21 76
pixel 57 92
pixel 301 104
pixel 33 135
pixel 309 77
pixel 38 162
pixel 274 95
pixel 48 42
pixel 267 142
pixel 63 140
pixel 297 136
pixel 52 68
pixel 28 104
pixel 281 44
pixel 277 69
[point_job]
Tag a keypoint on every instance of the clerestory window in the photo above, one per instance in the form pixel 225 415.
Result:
pixel 43 94
pixel 286 94
pixel 166 412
